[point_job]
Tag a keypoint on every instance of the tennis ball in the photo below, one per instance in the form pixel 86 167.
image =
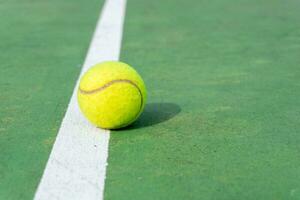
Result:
pixel 111 95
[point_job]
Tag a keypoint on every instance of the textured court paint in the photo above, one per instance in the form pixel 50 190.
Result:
pixel 43 45
pixel 77 164
pixel 232 67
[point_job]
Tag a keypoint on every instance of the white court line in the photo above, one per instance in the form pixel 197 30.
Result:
pixel 77 164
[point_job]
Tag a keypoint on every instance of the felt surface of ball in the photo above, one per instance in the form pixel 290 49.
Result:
pixel 111 95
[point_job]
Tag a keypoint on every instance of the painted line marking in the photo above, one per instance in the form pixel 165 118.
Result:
pixel 77 164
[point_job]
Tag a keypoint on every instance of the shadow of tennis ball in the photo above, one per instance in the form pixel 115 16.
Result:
pixel 155 113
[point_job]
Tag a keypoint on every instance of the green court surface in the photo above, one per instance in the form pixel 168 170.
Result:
pixel 223 115
pixel 223 118
pixel 43 45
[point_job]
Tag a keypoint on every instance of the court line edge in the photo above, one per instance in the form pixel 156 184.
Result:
pixel 76 167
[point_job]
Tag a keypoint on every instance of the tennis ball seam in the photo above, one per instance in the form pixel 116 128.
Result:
pixel 106 85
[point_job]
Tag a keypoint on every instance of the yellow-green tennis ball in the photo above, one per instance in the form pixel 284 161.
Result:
pixel 111 95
